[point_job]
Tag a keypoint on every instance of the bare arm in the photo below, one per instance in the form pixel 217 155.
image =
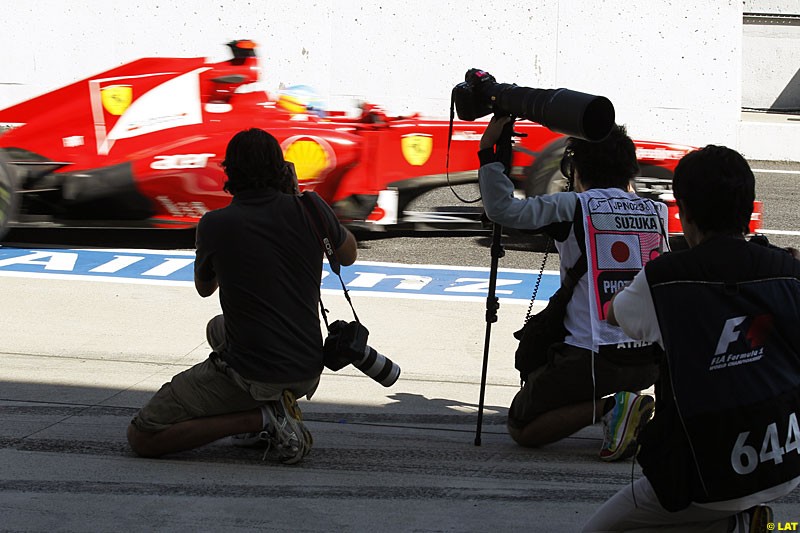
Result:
pixel 348 251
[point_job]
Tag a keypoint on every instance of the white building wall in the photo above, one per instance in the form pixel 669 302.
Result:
pixel 672 68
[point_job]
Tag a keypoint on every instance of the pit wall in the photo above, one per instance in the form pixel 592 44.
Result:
pixel 673 68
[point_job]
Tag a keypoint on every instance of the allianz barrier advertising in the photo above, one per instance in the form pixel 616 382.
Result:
pixel 177 268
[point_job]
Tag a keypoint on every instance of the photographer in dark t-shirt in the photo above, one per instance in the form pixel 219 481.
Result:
pixel 264 256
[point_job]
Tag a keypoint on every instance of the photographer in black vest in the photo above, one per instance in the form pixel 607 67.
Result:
pixel 725 437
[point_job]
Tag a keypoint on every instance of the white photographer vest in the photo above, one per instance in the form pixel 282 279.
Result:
pixel 622 232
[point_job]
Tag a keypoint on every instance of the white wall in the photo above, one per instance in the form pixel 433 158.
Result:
pixel 790 7
pixel 771 64
pixel 672 68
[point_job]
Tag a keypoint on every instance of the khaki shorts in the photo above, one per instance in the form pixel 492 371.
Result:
pixel 207 389
pixel 566 379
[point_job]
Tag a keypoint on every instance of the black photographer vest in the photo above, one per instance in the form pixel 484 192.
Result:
pixel 728 418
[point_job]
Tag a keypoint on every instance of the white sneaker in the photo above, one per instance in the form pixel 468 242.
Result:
pixel 258 439
pixel 286 430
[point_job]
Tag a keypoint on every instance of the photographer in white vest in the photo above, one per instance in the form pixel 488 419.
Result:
pixel 597 373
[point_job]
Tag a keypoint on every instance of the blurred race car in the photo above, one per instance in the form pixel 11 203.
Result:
pixel 140 145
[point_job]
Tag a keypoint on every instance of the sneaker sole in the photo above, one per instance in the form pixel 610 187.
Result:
pixel 639 416
pixel 295 421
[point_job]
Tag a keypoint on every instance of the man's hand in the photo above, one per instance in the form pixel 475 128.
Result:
pixel 493 131
pixel 292 176
pixel 611 318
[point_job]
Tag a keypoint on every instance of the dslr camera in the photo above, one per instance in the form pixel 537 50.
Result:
pixel 569 112
pixel 346 344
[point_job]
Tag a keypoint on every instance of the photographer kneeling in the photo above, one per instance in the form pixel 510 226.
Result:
pixel 726 437
pixel 597 371
pixel 264 254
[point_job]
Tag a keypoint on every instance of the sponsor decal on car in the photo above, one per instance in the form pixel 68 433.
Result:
pixel 417 148
pixel 183 209
pixel 169 162
pixel 659 154
pixel 313 157
pixel 166 104
pixel 73 141
pixel 467 136
pixel 116 99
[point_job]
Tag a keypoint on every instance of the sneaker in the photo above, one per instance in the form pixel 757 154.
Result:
pixel 622 423
pixel 287 433
pixel 258 439
pixel 761 518
pixel 758 519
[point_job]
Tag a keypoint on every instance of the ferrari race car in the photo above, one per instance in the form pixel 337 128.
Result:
pixel 140 145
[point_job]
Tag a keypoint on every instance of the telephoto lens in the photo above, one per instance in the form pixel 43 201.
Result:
pixel 378 367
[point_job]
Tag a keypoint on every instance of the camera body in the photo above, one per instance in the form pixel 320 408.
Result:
pixel 346 344
pixel 475 97
pixel 569 112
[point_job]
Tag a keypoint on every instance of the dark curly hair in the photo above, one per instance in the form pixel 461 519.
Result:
pixel 607 163
pixel 717 187
pixel 254 160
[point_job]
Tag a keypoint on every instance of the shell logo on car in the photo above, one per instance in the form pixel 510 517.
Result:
pixel 313 157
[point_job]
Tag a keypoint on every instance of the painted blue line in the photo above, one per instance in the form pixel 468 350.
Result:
pixel 398 280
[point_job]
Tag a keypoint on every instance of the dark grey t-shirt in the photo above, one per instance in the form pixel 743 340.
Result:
pixel 268 262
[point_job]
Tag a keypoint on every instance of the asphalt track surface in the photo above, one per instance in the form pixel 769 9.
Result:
pixel 80 357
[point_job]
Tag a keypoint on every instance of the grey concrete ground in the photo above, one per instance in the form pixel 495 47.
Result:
pixel 80 357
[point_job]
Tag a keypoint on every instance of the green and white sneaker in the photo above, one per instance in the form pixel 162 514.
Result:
pixel 621 425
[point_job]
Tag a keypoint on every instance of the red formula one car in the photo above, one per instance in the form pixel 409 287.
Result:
pixel 140 145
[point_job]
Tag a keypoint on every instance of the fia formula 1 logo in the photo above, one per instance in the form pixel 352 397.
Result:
pixel 741 341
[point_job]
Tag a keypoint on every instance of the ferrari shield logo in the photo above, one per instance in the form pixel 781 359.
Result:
pixel 116 98
pixel 416 148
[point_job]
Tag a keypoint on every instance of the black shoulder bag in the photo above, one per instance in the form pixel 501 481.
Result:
pixel 546 327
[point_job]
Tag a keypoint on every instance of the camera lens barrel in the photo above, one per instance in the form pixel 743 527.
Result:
pixel 572 113
pixel 564 111
pixel 378 367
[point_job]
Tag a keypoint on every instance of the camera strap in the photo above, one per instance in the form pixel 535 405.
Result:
pixel 573 274
pixel 447 156
pixel 323 236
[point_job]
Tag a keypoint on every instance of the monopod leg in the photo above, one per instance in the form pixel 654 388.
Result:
pixel 492 304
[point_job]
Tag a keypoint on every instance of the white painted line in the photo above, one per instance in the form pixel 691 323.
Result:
pixel 78 277
pixel 778 232
pixel 774 171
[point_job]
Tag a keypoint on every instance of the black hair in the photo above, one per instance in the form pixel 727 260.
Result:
pixel 717 188
pixel 254 160
pixel 607 163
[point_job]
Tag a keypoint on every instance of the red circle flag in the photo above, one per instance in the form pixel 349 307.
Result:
pixel 620 251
